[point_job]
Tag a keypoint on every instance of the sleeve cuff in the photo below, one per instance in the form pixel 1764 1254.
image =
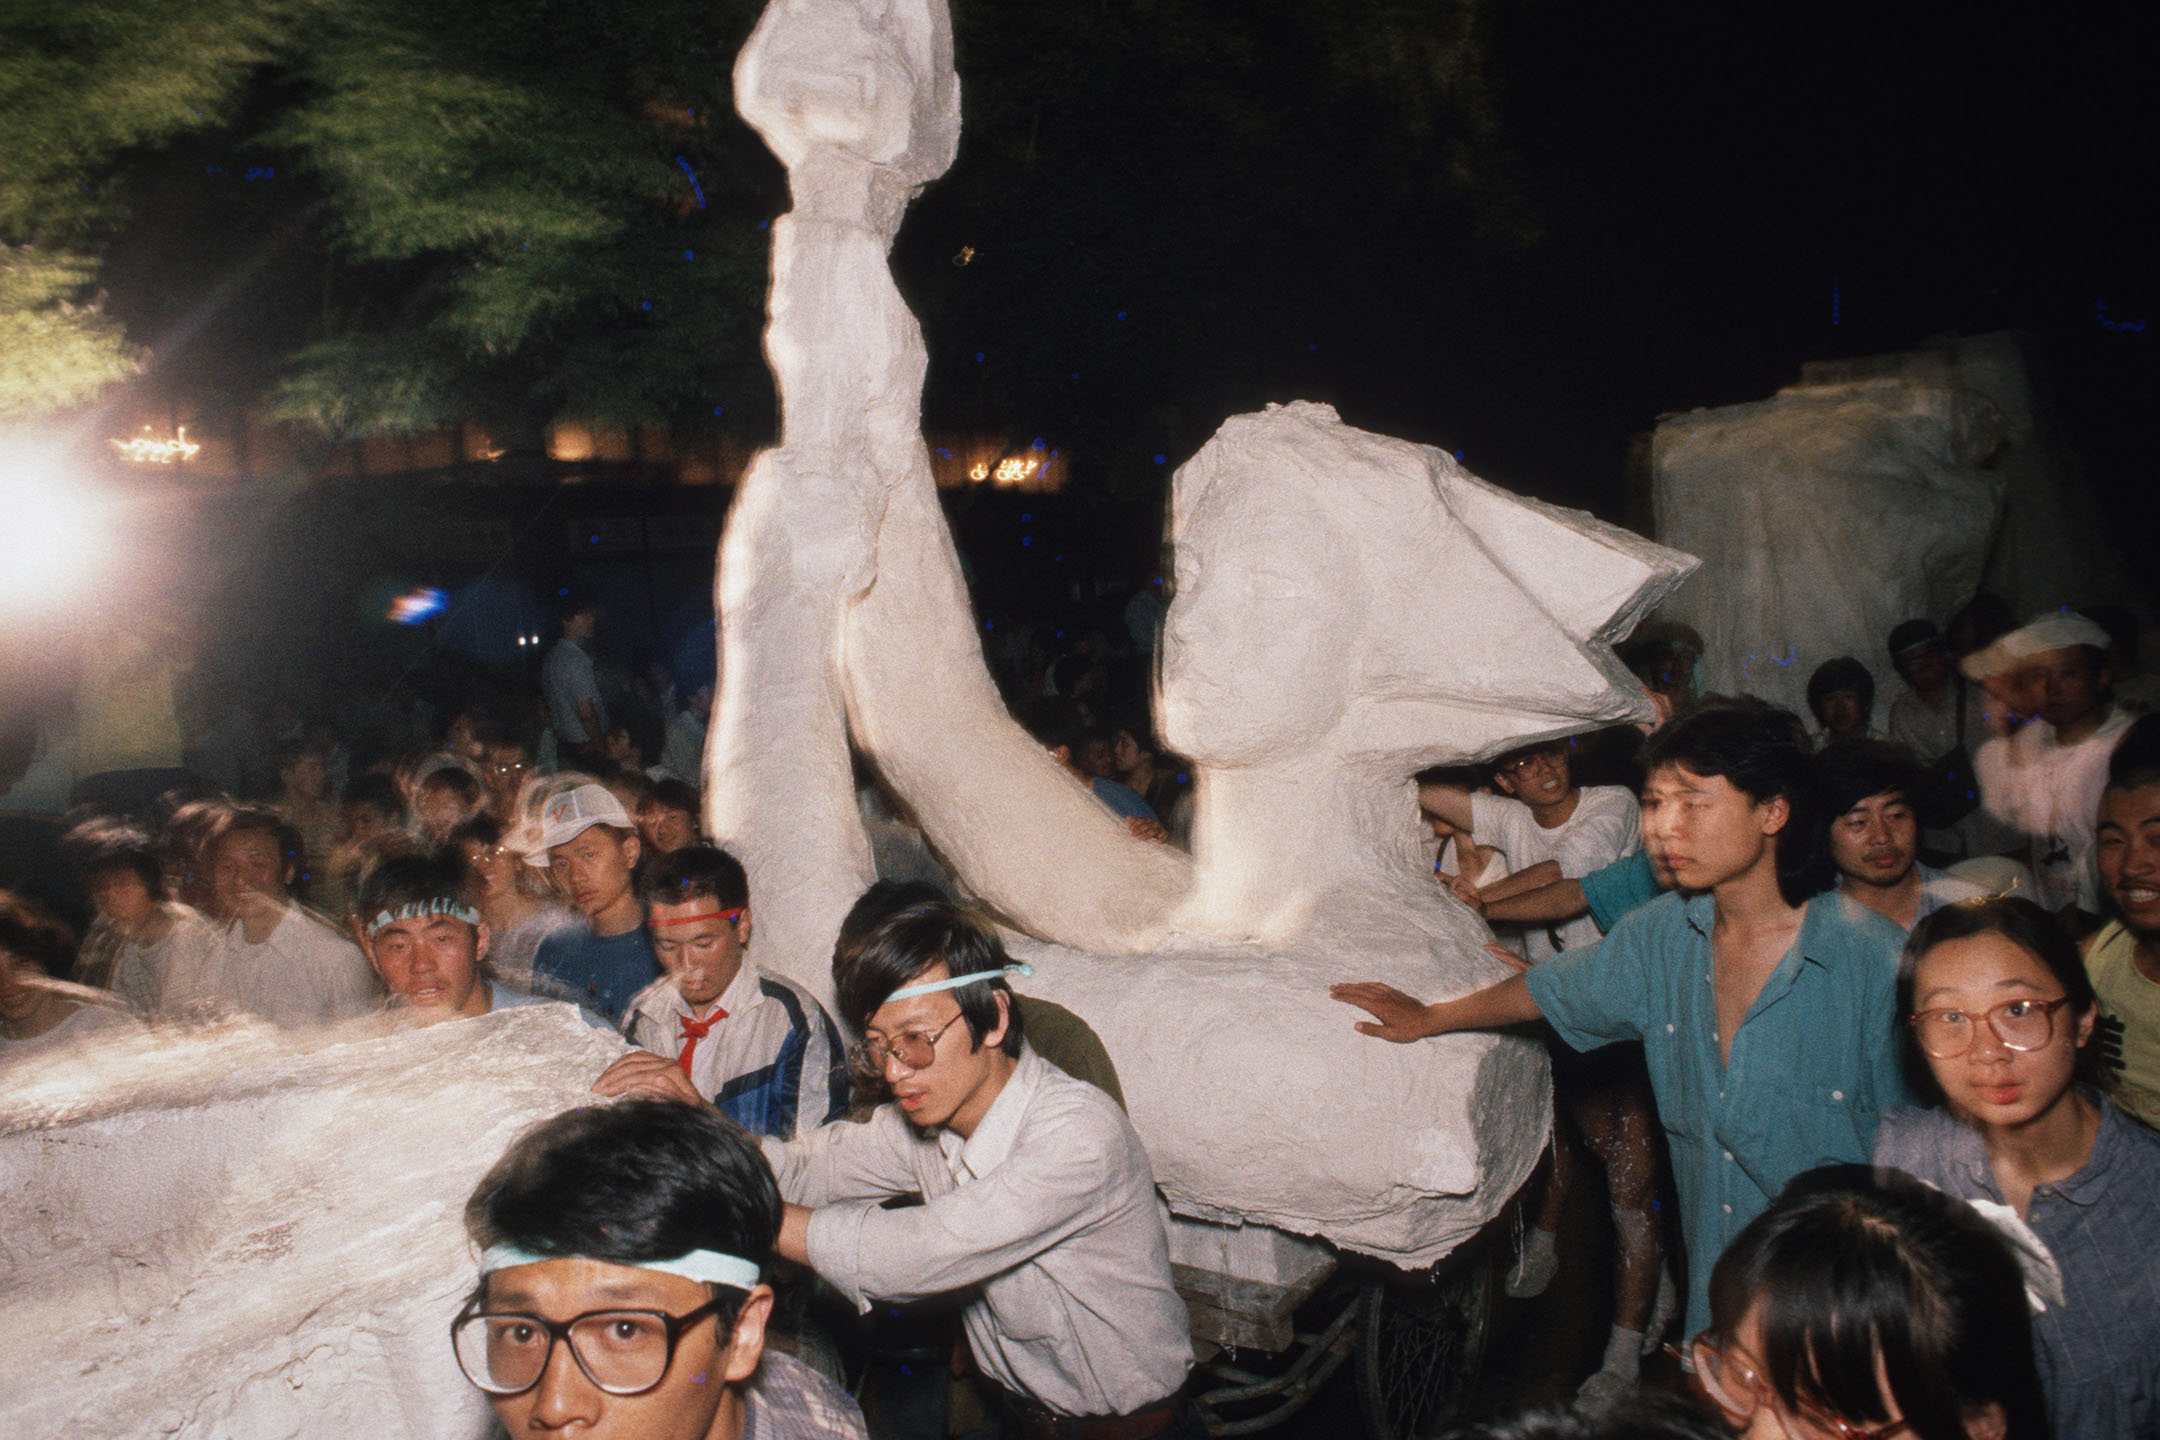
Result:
pixel 834 1241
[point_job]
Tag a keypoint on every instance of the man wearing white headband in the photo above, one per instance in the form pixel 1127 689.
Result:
pixel 426 941
pixel 1039 1200
pixel 622 1297
pixel 2046 779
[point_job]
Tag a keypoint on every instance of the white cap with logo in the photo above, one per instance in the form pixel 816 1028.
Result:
pixel 568 815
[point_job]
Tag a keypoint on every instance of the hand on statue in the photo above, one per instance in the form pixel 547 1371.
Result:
pixel 1146 827
pixel 1464 891
pixel 1397 1017
pixel 654 1077
pixel 1507 957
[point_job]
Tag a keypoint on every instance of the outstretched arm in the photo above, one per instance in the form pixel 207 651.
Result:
pixel 1399 1018
pixel 1561 900
pixel 1446 802
pixel 1507 887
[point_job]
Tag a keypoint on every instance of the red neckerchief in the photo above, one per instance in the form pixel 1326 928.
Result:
pixel 694 1031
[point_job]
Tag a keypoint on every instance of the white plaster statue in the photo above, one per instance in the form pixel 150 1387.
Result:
pixel 839 589
pixel 1350 609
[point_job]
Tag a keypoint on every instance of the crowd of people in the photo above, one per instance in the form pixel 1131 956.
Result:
pixel 1766 955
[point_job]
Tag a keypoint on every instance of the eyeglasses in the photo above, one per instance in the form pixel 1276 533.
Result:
pixel 2019 1024
pixel 1522 763
pixel 623 1352
pixel 916 1049
pixel 1732 1379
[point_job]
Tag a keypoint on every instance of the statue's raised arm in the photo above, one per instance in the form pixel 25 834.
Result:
pixel 839 591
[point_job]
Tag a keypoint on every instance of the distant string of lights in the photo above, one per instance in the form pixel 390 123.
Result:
pixel 145 449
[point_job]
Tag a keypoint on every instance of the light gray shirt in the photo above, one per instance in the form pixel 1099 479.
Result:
pixel 2099 1353
pixel 140 974
pixel 1049 1210
pixel 566 677
pixel 304 973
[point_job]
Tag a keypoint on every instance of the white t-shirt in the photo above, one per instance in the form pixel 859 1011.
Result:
pixel 1606 825
pixel 303 974
pixel 139 974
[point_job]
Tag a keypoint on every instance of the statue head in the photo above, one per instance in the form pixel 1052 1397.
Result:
pixel 1348 594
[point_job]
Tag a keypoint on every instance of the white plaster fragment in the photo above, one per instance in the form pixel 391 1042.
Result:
pixel 243 1235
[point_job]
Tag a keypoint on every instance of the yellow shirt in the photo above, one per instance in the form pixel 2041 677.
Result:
pixel 2129 1031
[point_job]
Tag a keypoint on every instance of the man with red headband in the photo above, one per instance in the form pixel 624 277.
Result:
pixel 755 1044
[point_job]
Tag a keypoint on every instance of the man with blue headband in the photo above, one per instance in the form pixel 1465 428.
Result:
pixel 1038 1198
pixel 623 1250
pixel 426 941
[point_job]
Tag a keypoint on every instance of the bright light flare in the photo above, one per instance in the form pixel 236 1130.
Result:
pixel 51 530
pixel 415 606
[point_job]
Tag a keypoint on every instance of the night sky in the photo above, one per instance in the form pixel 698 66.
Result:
pixel 1678 205
pixel 1718 193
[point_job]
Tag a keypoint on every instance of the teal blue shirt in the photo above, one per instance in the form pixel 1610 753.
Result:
pixel 1627 884
pixel 1814 1063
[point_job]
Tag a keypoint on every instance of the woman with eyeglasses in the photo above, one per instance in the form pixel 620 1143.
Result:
pixel 1864 1305
pixel 1999 1008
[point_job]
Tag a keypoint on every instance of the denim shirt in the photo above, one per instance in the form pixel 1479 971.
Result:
pixel 1814 1062
pixel 2099 1353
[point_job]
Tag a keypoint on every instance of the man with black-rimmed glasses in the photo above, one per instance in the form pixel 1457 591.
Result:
pixel 621 1297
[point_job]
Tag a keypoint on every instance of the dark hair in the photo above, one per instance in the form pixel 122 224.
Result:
pixel 2136 761
pixel 396 881
pixel 457 780
pixel 2017 920
pixel 1850 771
pixel 378 792
pixel 1986 617
pixel 886 942
pixel 1842 673
pixel 1758 750
pixel 1068 671
pixel 695 872
pixel 261 820
pixel 1863 1278
pixel 1645 1415
pixel 1911 635
pixel 674 794
pixel 630 1183
pixel 99 848
pixel 28 932
pixel 481 829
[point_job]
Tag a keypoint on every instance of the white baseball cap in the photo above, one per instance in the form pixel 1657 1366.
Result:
pixel 568 815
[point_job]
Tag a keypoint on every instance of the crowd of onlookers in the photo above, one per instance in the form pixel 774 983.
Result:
pixel 1942 884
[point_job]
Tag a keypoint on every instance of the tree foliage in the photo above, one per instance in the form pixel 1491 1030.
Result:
pixel 551 207
pixel 55 350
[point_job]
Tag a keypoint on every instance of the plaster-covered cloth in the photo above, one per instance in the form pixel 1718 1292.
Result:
pixel 1259 1102
pixel 1824 516
pixel 243 1234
